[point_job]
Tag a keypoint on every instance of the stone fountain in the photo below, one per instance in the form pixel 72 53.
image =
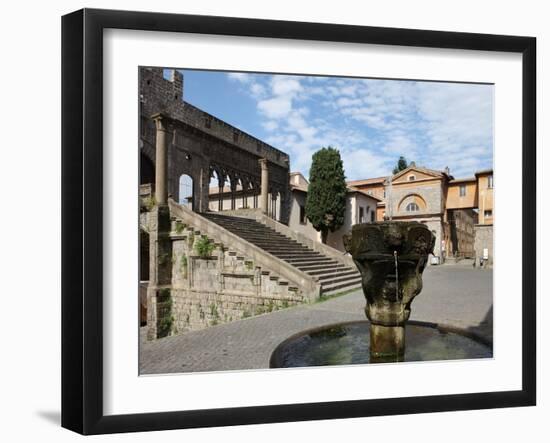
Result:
pixel 391 257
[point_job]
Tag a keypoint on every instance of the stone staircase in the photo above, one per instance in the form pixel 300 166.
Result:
pixel 332 274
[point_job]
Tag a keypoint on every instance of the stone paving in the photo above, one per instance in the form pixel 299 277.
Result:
pixel 454 295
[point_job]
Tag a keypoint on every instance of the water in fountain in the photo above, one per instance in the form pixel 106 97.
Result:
pixel 348 343
pixel 384 253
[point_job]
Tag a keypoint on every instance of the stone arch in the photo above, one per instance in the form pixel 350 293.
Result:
pixel 274 203
pixel 256 191
pixel 220 183
pixel 234 185
pixel 246 191
pixel 411 200
pixel 186 191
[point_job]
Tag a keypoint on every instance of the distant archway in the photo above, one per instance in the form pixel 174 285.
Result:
pixel 185 193
pixel 219 190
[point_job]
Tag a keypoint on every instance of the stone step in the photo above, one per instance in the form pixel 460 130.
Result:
pixel 261 234
pixel 309 261
pixel 297 255
pixel 327 275
pixel 284 250
pixel 307 252
pixel 274 241
pixel 248 229
pixel 312 269
pixel 265 239
pixel 331 289
pixel 349 279
pixel 331 274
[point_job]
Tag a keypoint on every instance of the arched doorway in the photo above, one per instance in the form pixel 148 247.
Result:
pixel 185 191
pixel 146 170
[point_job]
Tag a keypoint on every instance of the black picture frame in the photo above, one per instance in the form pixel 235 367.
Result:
pixel 82 215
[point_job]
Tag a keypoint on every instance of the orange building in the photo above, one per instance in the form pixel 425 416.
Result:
pixel 458 211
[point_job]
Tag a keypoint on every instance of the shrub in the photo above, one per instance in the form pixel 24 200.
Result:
pixel 204 247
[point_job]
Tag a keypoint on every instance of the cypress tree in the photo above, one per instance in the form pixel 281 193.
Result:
pixel 401 164
pixel 326 197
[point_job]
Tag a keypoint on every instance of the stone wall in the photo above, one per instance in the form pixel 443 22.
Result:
pixel 431 193
pixel 299 199
pixel 197 280
pixel 221 287
pixel 436 226
pixel 462 234
pixel 484 240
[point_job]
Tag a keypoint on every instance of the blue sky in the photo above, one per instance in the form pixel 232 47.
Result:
pixel 372 122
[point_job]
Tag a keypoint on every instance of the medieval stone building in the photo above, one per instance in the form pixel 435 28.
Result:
pixel 203 147
pixel 206 262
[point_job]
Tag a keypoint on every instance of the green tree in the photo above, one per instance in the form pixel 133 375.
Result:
pixel 401 164
pixel 326 197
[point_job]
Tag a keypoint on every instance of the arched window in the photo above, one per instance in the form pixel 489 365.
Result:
pixel 186 191
pixel 411 178
pixel 412 203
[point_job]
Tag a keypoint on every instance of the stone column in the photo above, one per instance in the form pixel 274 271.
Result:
pixel 244 190
pixel 161 160
pixel 264 186
pixel 274 205
pixel 221 182
pixel 160 270
pixel 233 186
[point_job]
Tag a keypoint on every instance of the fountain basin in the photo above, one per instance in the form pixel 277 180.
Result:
pixel 348 343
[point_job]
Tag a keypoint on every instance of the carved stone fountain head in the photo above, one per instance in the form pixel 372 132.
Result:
pixel 391 257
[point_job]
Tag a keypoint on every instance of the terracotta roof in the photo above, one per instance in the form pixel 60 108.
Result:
pixel 354 189
pixel 432 172
pixel 484 171
pixel 366 181
pixel 461 180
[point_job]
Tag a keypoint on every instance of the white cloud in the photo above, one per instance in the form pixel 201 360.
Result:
pixel 241 77
pixel 374 121
pixel 364 163
pixel 257 90
pixel 270 125
pixel 345 101
pixel 284 85
pixel 276 107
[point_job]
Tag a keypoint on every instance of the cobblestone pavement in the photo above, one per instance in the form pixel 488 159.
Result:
pixel 453 295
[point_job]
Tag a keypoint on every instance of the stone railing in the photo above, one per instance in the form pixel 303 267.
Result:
pixel 340 256
pixel 266 261
pixel 250 213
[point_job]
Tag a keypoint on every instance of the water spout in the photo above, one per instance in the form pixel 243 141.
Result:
pixel 396 276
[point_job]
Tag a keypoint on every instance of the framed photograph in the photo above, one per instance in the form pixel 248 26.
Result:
pixel 269 221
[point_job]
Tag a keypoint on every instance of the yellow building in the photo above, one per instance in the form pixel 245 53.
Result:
pixel 485 196
pixel 458 211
